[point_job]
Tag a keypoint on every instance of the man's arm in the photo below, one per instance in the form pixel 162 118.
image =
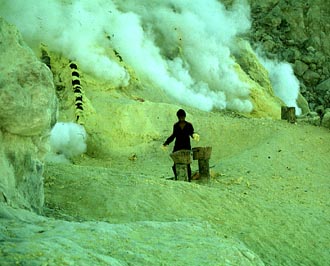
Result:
pixel 193 134
pixel 170 138
pixel 191 130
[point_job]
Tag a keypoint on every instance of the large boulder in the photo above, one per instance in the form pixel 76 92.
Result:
pixel 323 93
pixel 27 112
pixel 326 119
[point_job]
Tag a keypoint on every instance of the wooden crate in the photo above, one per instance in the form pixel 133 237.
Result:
pixel 181 157
pixel 202 153
pixel 288 113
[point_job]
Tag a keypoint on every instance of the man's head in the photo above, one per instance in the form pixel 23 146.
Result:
pixel 181 114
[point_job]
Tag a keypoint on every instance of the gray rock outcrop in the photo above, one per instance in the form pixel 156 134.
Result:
pixel 326 119
pixel 27 112
pixel 297 32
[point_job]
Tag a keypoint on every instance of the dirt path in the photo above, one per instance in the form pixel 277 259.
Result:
pixel 269 188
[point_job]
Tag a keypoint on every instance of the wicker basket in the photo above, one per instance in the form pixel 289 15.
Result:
pixel 202 153
pixel 181 157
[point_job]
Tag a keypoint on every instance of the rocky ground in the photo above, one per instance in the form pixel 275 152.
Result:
pixel 266 203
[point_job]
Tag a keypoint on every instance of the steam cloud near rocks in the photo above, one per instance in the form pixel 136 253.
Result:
pixel 183 47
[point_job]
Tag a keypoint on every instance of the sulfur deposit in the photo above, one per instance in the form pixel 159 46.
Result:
pixel 28 108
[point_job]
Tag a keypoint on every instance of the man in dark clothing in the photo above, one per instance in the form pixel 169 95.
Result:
pixel 182 131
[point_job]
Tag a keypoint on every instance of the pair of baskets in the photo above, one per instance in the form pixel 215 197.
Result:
pixel 184 156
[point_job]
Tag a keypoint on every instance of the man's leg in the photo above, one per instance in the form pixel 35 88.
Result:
pixel 189 172
pixel 174 171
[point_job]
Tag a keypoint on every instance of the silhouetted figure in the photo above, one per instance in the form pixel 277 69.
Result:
pixel 182 131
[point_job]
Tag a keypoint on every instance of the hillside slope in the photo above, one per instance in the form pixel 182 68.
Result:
pixel 266 204
pixel 269 189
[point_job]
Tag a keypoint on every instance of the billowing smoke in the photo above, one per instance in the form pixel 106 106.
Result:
pixel 74 29
pixel 183 47
pixel 284 82
pixel 67 140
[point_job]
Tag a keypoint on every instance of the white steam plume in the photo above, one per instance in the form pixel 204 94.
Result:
pixel 284 82
pixel 183 47
pixel 189 44
pixel 76 30
pixel 67 140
